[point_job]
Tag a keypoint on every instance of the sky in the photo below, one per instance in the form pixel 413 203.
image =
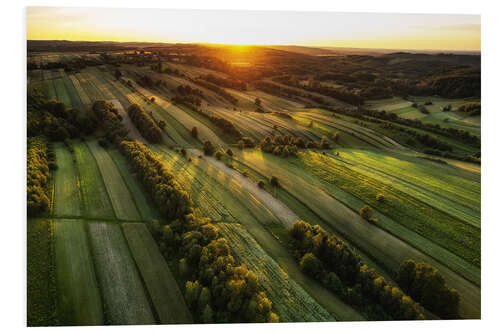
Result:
pixel 360 30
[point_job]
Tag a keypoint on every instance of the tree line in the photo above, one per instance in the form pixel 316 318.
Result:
pixel 287 145
pixel 110 120
pixel 218 90
pixel 329 260
pixel 425 284
pixel 144 123
pixel 217 288
pixel 37 175
pixel 54 120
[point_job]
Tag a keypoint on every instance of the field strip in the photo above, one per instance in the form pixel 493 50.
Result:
pixel 432 194
pixel 204 133
pixel 83 95
pixel 125 301
pixel 371 239
pixel 62 93
pixel 282 212
pixel 291 302
pixel 165 294
pixel 127 97
pixel 94 194
pixel 79 299
pixel 67 191
pixel 76 101
pixel 121 199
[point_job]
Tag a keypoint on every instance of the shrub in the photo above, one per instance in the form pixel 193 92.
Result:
pixel 261 184
pixel 208 148
pixel 274 181
pixel 366 212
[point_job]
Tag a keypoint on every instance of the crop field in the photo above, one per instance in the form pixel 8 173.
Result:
pixel 291 301
pixel 67 184
pixel 74 266
pixel 141 200
pixel 41 275
pixel 165 294
pixel 121 200
pixel 124 299
pixel 95 197
pixel 349 224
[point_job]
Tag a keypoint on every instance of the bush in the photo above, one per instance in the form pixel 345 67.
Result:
pixel 366 212
pixel 261 184
pixel 274 181
pixel 208 148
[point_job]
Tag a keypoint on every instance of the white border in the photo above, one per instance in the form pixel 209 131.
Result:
pixel 13 134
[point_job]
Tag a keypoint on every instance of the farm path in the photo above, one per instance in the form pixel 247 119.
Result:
pixel 284 214
pixel 133 132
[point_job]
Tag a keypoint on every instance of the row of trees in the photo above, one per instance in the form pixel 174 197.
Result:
pixel 425 284
pixel 37 176
pixel 144 123
pixel 287 145
pixel 217 288
pixel 331 261
pixel 474 108
pixel 54 120
pixel 110 121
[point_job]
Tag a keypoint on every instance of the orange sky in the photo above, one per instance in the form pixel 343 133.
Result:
pixel 392 31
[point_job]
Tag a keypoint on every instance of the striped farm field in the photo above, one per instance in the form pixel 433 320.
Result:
pixel 62 93
pixel 79 305
pixel 343 220
pixel 74 97
pixel 66 183
pixel 166 296
pixel 95 197
pixel 121 199
pixel 124 298
pixel 144 205
pixel 81 93
pixel 291 302
pixel 49 90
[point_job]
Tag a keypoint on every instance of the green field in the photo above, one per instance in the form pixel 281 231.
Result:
pixel 66 182
pixel 141 200
pixel 41 275
pixel 165 294
pixel 124 298
pixel 74 266
pixel 120 197
pixel 95 197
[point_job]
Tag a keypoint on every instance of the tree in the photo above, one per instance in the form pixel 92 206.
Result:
pixel 261 184
pixel 258 102
pixel 229 152
pixel 118 74
pixel 324 144
pixel 208 148
pixel 208 315
pixel 311 265
pixel 218 154
pixel 194 132
pixel 153 99
pixel 274 181
pixel 161 124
